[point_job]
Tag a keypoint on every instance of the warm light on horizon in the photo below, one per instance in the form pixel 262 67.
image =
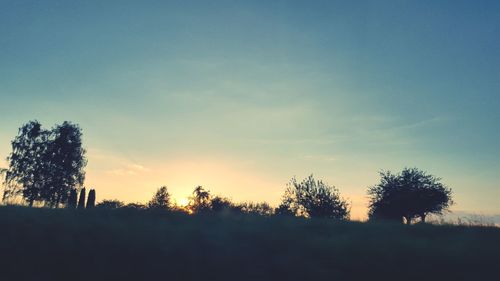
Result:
pixel 241 97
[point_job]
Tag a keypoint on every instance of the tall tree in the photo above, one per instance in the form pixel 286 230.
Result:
pixel 45 165
pixel 67 161
pixel 81 200
pixel 27 171
pixel 200 201
pixel 315 199
pixel 72 199
pixel 410 194
pixel 160 200
pixel 91 199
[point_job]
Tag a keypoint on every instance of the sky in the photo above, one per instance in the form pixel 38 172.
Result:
pixel 241 96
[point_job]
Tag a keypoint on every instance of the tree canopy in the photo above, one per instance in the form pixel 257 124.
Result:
pixel 110 204
pixel 200 201
pixel 313 198
pixel 160 200
pixel 410 194
pixel 45 165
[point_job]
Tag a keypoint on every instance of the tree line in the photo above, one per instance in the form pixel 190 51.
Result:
pixel 47 167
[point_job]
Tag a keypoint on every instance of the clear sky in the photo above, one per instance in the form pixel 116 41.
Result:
pixel 240 96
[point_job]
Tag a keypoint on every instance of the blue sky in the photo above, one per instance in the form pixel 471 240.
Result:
pixel 240 96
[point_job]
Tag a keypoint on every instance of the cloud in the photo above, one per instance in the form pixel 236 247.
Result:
pixel 114 164
pixel 129 170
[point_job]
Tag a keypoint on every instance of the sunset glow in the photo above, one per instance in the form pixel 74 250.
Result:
pixel 241 96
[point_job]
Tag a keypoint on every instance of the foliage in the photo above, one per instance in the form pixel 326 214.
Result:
pixel 67 161
pixel 200 201
pixel 91 199
pixel 110 204
pixel 288 205
pixel 411 194
pixel 72 199
pixel 45 165
pixel 222 204
pixel 161 199
pixel 81 199
pixel 314 199
pixel 28 169
pixel 135 206
pixel 262 209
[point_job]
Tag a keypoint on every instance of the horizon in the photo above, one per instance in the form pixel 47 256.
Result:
pixel 241 97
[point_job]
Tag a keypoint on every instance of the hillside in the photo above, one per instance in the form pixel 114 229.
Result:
pixel 44 244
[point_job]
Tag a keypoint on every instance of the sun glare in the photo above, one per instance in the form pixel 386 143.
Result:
pixel 183 202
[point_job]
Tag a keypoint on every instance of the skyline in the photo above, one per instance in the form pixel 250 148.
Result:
pixel 240 97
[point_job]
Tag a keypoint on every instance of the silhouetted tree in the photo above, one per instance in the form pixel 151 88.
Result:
pixel 288 205
pixel 45 165
pixel 220 204
pixel 411 194
pixel 110 204
pixel 314 199
pixel 27 171
pixel 72 199
pixel 261 209
pixel 91 199
pixel 81 200
pixel 135 206
pixel 161 199
pixel 66 158
pixel 200 201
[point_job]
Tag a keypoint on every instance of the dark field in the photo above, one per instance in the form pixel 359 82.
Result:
pixel 44 244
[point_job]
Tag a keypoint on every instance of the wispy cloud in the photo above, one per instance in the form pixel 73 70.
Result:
pixel 129 170
pixel 116 164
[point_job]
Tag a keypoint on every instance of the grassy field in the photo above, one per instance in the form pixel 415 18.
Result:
pixel 43 244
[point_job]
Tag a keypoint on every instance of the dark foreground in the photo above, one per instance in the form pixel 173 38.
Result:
pixel 42 244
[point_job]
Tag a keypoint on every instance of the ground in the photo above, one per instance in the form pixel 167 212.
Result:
pixel 44 244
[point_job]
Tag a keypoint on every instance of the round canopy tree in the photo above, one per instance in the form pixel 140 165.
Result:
pixel 314 199
pixel 409 195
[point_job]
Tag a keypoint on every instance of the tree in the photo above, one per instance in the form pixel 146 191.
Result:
pixel 314 199
pixel 72 199
pixel 66 158
pixel 91 199
pixel 261 209
pixel 135 206
pixel 45 165
pixel 200 201
pixel 221 204
pixel 81 200
pixel 288 206
pixel 409 195
pixel 110 204
pixel 161 199
pixel 27 171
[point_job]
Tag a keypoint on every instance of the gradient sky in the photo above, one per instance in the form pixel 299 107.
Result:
pixel 240 96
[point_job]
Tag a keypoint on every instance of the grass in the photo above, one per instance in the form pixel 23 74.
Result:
pixel 44 244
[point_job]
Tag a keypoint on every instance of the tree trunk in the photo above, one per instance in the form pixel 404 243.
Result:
pixel 422 218
pixel 57 201
pixel 408 220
